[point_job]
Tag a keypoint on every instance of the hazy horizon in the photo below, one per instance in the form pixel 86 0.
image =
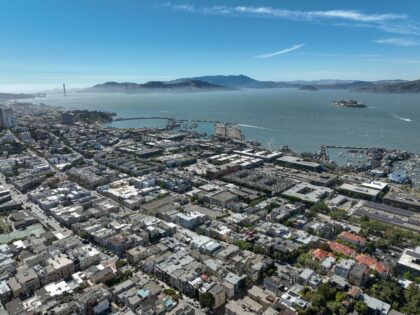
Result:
pixel 39 87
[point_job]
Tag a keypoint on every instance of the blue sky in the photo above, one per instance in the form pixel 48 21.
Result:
pixel 83 42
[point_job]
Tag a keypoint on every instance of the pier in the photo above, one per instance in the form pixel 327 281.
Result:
pixel 345 147
pixel 168 118
pixel 139 118
pixel 324 150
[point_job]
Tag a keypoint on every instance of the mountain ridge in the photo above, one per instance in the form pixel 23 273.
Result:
pixel 383 86
pixel 234 82
pixel 130 87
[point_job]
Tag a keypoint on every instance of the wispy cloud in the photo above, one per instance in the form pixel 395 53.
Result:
pixel 312 15
pixel 389 22
pixel 328 54
pixel 280 52
pixel 397 41
pixel 351 15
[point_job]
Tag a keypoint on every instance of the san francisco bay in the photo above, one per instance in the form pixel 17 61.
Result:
pixel 303 120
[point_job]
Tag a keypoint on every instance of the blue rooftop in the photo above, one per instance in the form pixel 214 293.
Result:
pixel 168 302
pixel 398 177
pixel 143 293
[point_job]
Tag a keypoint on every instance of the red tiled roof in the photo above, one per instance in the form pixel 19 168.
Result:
pixel 354 291
pixel 319 254
pixel 371 262
pixel 347 236
pixel 343 249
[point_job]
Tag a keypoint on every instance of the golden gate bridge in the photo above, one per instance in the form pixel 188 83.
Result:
pixel 62 89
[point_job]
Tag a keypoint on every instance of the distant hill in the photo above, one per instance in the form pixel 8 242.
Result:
pixel 128 87
pixel 239 81
pixel 324 82
pixel 385 87
pixel 243 81
pixel 345 85
pixel 232 82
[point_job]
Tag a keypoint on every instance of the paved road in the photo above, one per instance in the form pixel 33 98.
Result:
pixel 36 211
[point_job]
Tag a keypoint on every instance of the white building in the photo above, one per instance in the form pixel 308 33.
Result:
pixel 190 220
pixel 410 260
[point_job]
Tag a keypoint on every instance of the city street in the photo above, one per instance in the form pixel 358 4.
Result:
pixel 36 211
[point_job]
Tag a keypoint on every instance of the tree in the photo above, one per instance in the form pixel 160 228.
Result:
pixel 120 263
pixel 313 264
pixel 407 275
pixel 244 245
pixel 276 255
pixel 271 271
pixel 338 214
pixel 327 292
pixel 336 307
pixel 172 293
pixel 169 292
pixel 361 308
pixel 323 246
pixel 412 297
pixel 303 258
pixel 306 260
pixel 271 207
pixel 207 300
pixel 318 300
pixel 340 296
pixel 319 207
pixel 127 274
pixel 258 249
pixel 388 291
pixel 364 218
pixel 83 234
pixel 255 202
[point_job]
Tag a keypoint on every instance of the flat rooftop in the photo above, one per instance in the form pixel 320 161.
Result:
pixel 410 258
pixel 360 190
pixel 298 161
pixel 308 192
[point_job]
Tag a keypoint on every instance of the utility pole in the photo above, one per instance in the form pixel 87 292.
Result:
pixel 64 89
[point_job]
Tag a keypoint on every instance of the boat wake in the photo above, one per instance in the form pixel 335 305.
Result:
pixel 402 118
pixel 256 127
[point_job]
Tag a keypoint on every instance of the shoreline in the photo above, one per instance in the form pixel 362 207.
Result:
pixel 242 125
